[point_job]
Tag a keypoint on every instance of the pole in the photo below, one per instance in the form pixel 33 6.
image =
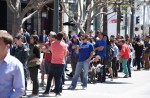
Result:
pixel 144 18
pixel 132 21
pixel 118 19
pixel 56 16
pixel 126 22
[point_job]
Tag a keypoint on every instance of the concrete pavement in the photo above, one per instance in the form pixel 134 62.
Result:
pixel 138 86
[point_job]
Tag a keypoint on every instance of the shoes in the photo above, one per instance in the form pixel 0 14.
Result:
pixel 46 93
pixel 71 87
pixel 33 96
pixel 70 75
pixel 66 70
pixel 84 87
pixel 52 90
pixel 126 76
pixel 25 93
pixel 58 94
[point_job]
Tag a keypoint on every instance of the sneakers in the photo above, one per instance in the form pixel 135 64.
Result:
pixel 33 96
pixel 126 76
pixel 84 87
pixel 71 87
pixel 46 93
pixel 58 94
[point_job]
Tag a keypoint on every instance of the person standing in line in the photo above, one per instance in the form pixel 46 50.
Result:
pixel 12 83
pixel 59 51
pixel 147 53
pixel 21 52
pixel 125 55
pixel 43 37
pixel 114 59
pixel 47 56
pixel 34 64
pixel 85 51
pixel 100 49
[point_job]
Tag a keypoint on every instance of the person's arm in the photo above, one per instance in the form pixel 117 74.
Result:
pixel 91 54
pixel 18 82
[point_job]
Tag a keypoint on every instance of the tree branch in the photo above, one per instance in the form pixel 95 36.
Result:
pixel 11 6
pixel 29 16
pixel 17 4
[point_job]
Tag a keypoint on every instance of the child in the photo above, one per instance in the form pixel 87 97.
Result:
pixel 95 68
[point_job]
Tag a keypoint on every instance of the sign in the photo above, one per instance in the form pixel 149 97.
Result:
pixel 113 21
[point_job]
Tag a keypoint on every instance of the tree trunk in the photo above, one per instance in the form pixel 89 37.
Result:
pixel 88 26
pixel 16 25
pixel 105 21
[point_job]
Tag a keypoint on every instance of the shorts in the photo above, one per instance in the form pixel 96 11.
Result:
pixel 45 67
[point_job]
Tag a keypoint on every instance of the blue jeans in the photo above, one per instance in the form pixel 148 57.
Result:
pixel 81 65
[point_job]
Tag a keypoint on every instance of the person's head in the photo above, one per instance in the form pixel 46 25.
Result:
pixel 75 38
pixel 59 36
pixel 97 58
pixel 5 41
pixel 43 32
pixel 147 38
pixel 100 35
pixel 34 39
pixel 121 42
pixel 52 36
pixel 112 37
pixel 19 39
pixel 34 32
pixel 112 42
pixel 84 38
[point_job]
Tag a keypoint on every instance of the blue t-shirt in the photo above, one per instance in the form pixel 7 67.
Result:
pixel 85 51
pixel 101 43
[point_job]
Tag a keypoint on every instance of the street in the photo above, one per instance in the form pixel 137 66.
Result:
pixel 138 86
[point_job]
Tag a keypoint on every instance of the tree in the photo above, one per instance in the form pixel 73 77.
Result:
pixel 93 9
pixel 19 15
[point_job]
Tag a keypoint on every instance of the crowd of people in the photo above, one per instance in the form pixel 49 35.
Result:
pixel 83 51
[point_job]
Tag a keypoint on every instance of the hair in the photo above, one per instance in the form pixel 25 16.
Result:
pixel 7 38
pixel 112 41
pixel 122 40
pixel 53 34
pixel 108 42
pixel 85 35
pixel 36 39
pixel 60 36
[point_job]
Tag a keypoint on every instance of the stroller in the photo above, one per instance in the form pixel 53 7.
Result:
pixel 95 72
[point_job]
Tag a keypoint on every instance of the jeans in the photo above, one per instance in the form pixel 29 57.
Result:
pixel 74 61
pixel 114 67
pixel 34 78
pixel 124 66
pixel 128 66
pixel 56 71
pixel 81 65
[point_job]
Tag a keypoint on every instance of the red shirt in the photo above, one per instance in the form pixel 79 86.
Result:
pixel 58 49
pixel 125 51
pixel 48 56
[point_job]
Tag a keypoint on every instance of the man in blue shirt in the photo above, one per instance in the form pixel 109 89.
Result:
pixel 86 51
pixel 12 83
pixel 100 48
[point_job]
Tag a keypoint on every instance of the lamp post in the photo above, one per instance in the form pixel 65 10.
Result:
pixel 56 16
pixel 144 6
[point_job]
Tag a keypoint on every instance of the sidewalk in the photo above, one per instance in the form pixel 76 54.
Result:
pixel 138 86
